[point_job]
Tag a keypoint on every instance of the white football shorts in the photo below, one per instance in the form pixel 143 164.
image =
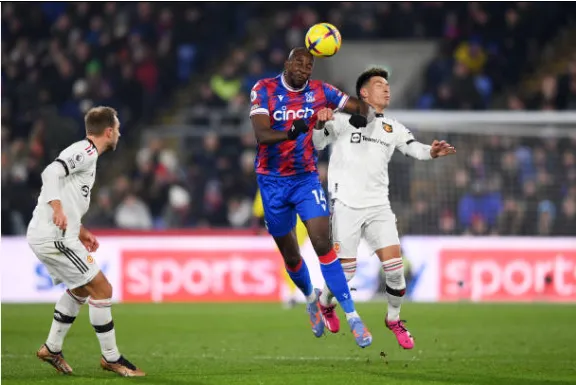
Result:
pixel 67 261
pixel 377 225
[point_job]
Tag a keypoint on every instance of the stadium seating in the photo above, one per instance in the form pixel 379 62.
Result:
pixel 59 59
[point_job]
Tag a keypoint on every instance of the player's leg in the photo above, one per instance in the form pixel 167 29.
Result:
pixel 310 201
pixel 100 292
pixel 66 309
pixel 298 271
pixel 289 300
pixel 294 263
pixel 280 219
pixel 302 237
pixel 345 226
pixel 382 236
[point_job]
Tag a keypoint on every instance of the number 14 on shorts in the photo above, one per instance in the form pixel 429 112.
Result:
pixel 320 198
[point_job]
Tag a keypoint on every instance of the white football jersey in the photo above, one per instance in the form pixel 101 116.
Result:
pixel 358 167
pixel 79 163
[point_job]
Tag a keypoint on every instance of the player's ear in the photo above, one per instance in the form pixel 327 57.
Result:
pixel 364 92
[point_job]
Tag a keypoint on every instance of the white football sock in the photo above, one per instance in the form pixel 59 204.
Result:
pixel 395 286
pixel 101 320
pixel 65 312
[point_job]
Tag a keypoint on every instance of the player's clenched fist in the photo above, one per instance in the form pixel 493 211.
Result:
pixel 298 127
pixel 441 148
pixel 324 115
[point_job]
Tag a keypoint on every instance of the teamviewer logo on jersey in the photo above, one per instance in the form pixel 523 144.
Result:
pixel 356 137
pixel 284 114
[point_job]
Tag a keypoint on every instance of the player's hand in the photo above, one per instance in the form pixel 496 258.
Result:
pixel 441 148
pixel 324 115
pixel 358 121
pixel 59 219
pixel 298 127
pixel 88 240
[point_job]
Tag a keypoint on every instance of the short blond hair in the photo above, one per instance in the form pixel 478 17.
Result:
pixel 98 119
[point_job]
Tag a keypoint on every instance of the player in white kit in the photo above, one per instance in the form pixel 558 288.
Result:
pixel 358 186
pixel 59 240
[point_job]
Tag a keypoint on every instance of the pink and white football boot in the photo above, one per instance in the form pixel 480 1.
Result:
pixel 402 334
pixel 330 317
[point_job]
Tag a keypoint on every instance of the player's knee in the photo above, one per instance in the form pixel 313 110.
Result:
pixel 102 291
pixel 99 287
pixel 107 290
pixel 292 260
pixel 322 245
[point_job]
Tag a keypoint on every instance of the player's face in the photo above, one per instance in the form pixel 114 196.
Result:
pixel 299 69
pixel 115 136
pixel 378 92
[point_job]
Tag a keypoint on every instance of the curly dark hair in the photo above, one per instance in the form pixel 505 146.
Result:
pixel 367 75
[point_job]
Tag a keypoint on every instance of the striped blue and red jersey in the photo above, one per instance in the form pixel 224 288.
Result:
pixel 283 104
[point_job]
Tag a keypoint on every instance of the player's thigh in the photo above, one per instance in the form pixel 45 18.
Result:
pixel 308 197
pixel 381 233
pixel 97 288
pixel 67 261
pixel 346 224
pixel 279 213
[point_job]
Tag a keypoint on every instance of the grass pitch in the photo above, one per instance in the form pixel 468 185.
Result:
pixel 264 344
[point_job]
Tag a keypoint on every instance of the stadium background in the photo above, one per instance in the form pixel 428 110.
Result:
pixel 498 80
pixel 173 207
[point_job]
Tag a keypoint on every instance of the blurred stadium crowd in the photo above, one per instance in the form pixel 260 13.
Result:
pixel 59 59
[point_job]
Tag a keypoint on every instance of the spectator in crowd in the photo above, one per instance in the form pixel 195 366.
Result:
pixel 566 222
pixel 510 218
pixel 133 214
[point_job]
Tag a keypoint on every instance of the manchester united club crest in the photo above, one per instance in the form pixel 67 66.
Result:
pixel 386 127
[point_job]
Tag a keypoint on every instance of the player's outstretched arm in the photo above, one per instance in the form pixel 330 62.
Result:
pixel 407 144
pixel 422 151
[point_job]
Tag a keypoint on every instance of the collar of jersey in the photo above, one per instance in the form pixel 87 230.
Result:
pixel 92 143
pixel 290 88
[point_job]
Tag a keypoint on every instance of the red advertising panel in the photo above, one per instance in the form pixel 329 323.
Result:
pixel 200 275
pixel 507 275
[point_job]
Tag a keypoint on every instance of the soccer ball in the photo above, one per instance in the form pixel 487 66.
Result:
pixel 323 40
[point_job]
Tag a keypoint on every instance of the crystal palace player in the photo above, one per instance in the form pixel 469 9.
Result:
pixel 283 109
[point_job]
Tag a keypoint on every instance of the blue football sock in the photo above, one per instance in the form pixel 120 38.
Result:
pixel 336 280
pixel 301 277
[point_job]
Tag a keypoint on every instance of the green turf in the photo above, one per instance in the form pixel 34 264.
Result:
pixel 264 344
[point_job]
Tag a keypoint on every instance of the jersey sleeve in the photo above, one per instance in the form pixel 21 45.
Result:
pixel 403 135
pixel 331 131
pixel 259 100
pixel 336 99
pixel 339 123
pixel 406 143
pixel 78 157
